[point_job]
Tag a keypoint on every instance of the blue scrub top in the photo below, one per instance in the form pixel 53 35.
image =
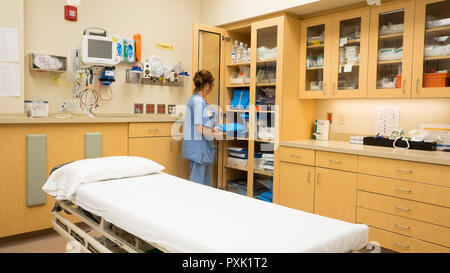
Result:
pixel 196 147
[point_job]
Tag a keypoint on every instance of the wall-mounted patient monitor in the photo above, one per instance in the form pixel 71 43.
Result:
pixel 97 48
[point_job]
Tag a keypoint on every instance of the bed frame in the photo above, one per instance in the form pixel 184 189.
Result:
pixel 111 238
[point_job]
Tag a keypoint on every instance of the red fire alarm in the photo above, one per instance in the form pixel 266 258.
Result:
pixel 70 13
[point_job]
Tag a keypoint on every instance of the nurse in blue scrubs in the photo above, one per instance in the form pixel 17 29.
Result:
pixel 199 130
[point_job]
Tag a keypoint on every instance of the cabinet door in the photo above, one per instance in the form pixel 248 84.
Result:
pixel 296 188
pixel 350 54
pixel 181 166
pixel 315 58
pixel 158 149
pixel 431 74
pixel 390 50
pixel 335 194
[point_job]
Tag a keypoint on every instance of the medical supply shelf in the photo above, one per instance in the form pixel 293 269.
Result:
pixel 276 33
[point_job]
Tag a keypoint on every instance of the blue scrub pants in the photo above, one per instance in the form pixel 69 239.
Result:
pixel 200 173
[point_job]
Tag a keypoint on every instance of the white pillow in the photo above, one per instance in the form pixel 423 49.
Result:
pixel 64 181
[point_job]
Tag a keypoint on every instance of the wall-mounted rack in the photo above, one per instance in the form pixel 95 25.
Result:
pixel 41 66
pixel 133 76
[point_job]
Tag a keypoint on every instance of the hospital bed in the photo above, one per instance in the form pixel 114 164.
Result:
pixel 162 212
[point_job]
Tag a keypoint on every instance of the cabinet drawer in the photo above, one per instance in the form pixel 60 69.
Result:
pixel 420 230
pixel 149 129
pixel 402 243
pixel 410 209
pixel 345 162
pixel 406 170
pixel 404 189
pixel 296 155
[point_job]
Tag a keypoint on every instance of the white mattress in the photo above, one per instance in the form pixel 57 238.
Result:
pixel 177 215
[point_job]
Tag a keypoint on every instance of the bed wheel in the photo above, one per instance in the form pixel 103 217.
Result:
pixel 73 247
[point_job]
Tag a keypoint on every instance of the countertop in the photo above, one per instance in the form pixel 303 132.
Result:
pixel 433 157
pixel 84 118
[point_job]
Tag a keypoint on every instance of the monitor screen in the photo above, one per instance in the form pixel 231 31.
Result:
pixel 99 49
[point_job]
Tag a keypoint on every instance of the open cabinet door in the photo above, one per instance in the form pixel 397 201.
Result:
pixel 208 54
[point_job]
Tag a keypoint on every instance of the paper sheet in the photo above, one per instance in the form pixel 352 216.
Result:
pixel 387 119
pixel 9 44
pixel 348 68
pixel 9 80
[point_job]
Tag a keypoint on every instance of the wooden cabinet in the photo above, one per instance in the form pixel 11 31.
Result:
pixel 65 143
pixel 315 57
pixel 350 43
pixel 390 50
pixel 296 186
pixel 335 194
pixel 158 149
pixel 334 55
pixel 272 86
pixel 431 77
pixel 154 141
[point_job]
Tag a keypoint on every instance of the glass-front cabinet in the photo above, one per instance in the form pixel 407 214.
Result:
pixel 350 54
pixel 431 73
pixel 390 50
pixel 315 58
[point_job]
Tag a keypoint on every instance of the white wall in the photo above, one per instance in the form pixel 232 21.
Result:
pixel 11 16
pixel 359 114
pixel 45 30
pixel 219 12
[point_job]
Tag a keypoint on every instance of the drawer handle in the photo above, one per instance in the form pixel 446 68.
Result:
pixel 296 156
pixel 318 174
pixel 309 177
pixel 403 190
pixel 400 226
pixel 404 171
pixel 401 245
pixel 335 161
pixel 153 130
pixel 400 208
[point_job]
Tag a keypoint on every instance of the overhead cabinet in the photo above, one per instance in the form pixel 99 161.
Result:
pixel 431 77
pixel 396 50
pixel 333 55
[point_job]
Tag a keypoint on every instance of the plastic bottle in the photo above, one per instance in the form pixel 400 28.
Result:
pixel 239 52
pixel 244 54
pixel 308 61
pixel 249 54
pixel 234 52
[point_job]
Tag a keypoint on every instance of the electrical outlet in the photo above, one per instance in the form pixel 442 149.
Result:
pixel 171 109
pixel 161 108
pixel 67 106
pixel 340 119
pixel 138 108
pixel 150 108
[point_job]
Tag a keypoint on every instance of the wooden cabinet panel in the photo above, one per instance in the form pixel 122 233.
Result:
pixel 345 162
pixel 150 129
pixel 158 149
pixel 181 166
pixel 335 194
pixel 296 186
pixel 297 155
pixel 350 39
pixel 402 243
pixel 405 170
pixel 421 230
pixel 315 42
pixel 404 189
pixel 406 208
